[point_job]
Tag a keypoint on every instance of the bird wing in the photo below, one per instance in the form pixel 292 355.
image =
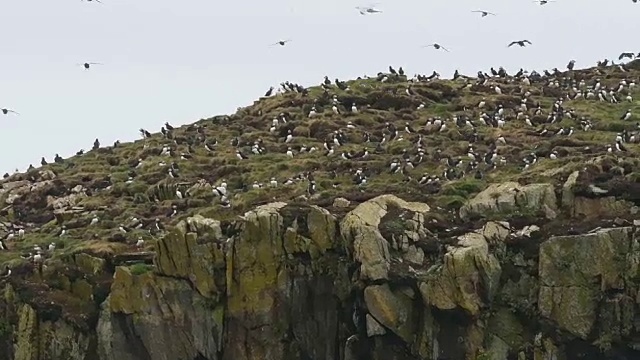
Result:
pixel 444 48
pixel 512 43
pixel 527 41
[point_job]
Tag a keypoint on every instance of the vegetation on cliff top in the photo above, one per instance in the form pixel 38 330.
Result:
pixel 109 184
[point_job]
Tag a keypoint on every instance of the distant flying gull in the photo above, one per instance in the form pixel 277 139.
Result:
pixel 87 65
pixel 6 111
pixel 542 2
pixel 365 10
pixel 437 47
pixel 521 43
pixel 281 42
pixel 484 13
pixel 98 1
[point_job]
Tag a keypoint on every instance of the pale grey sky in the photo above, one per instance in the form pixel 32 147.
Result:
pixel 180 61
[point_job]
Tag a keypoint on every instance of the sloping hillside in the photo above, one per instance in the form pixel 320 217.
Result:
pixel 108 182
pixel 450 140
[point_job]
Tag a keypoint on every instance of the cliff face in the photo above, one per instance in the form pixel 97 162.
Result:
pixel 389 280
pixel 271 234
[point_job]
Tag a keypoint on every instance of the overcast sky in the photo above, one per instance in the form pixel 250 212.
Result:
pixel 179 61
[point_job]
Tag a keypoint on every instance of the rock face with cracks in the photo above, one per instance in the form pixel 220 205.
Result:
pixel 290 281
pixel 523 248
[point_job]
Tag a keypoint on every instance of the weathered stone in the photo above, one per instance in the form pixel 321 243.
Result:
pixel 394 310
pixel 510 196
pixel 467 279
pixel 374 327
pixel 574 270
pixel 360 231
pixel 191 251
pixel 341 203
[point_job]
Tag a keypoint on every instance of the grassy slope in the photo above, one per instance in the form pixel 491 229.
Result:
pixel 387 102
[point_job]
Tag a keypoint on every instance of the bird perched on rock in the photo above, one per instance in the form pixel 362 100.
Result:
pixel 521 43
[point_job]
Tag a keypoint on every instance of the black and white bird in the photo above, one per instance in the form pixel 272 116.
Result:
pixel 281 42
pixel 626 116
pixel 240 155
pixel 484 13
pixel 521 43
pixel 629 55
pixel 365 10
pixel 87 65
pixel 7 111
pixel 436 46
pixel 6 272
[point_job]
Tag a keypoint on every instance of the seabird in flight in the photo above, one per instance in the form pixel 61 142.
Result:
pixel 364 10
pixel 281 42
pixel 7 111
pixel 87 65
pixel 627 55
pixel 521 43
pixel 437 46
pixel 484 13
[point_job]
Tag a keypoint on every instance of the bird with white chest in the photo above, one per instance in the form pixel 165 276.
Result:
pixel 289 137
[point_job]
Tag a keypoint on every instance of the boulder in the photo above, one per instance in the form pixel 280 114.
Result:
pixel 510 196
pixel 361 233
pixel 468 278
pixel 575 271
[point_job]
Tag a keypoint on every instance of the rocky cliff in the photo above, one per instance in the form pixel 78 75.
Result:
pixel 230 240
pixel 389 280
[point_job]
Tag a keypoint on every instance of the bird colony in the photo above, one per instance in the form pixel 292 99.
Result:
pixel 422 137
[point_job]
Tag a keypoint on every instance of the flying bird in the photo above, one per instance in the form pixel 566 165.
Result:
pixel 520 43
pixel 7 111
pixel 626 55
pixel 281 42
pixel 436 46
pixel 484 13
pixel 98 1
pixel 543 2
pixel 364 10
pixel 87 65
